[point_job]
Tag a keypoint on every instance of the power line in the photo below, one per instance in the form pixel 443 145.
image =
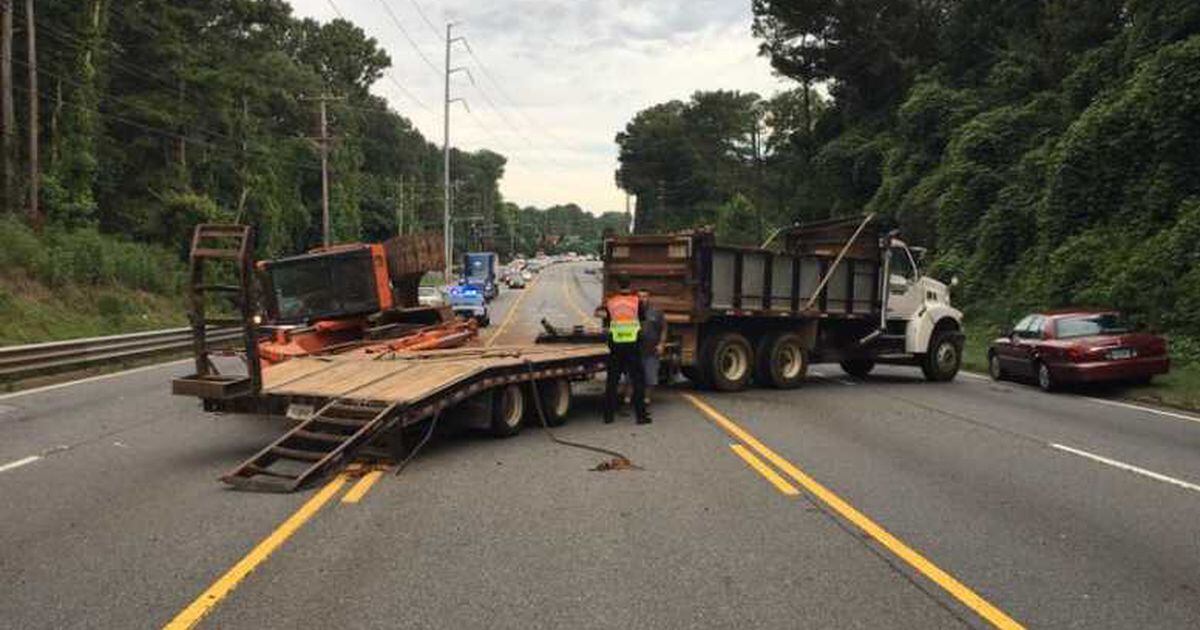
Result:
pixel 403 31
pixel 425 19
pixel 503 94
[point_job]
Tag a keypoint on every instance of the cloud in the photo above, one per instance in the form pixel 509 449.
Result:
pixel 571 74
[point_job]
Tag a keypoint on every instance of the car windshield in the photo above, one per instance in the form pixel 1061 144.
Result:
pixel 1090 325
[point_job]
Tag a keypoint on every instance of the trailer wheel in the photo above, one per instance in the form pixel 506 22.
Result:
pixel 728 361
pixel 858 368
pixel 556 399
pixel 508 408
pixel 943 359
pixel 780 361
pixel 694 374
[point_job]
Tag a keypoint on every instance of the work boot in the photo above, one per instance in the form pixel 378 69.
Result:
pixel 645 419
pixel 608 417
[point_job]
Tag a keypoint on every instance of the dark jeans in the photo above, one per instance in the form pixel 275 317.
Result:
pixel 625 358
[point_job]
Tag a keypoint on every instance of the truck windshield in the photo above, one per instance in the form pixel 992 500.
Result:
pixel 477 268
pixel 1090 325
pixel 322 287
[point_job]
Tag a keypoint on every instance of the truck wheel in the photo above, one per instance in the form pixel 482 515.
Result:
pixel 555 396
pixel 694 374
pixel 942 360
pixel 728 361
pixel 780 361
pixel 508 407
pixel 858 368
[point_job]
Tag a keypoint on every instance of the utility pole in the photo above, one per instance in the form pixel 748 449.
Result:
pixel 35 216
pixel 8 117
pixel 323 143
pixel 400 220
pixel 447 236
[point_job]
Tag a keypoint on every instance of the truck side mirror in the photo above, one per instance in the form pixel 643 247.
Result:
pixel 954 281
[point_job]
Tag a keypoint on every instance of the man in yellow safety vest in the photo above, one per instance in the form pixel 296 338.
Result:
pixel 623 314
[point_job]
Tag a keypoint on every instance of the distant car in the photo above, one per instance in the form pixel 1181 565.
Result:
pixel 468 302
pixel 516 281
pixel 1078 346
pixel 430 296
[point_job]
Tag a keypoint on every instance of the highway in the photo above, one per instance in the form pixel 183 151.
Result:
pixel 878 502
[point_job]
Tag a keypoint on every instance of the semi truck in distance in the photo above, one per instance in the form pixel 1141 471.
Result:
pixel 836 292
pixel 479 273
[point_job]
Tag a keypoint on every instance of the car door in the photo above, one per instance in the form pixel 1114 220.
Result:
pixel 904 294
pixel 1029 340
pixel 1008 348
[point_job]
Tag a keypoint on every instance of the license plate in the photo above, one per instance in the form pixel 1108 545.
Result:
pixel 1122 353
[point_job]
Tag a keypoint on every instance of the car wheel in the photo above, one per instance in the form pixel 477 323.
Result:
pixel 1045 379
pixel 942 360
pixel 508 408
pixel 780 361
pixel 994 369
pixel 858 368
pixel 728 361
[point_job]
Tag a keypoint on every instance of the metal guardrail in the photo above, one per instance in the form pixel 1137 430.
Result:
pixel 60 356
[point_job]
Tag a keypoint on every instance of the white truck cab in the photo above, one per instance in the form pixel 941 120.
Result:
pixel 919 304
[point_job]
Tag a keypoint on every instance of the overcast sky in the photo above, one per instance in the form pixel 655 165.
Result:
pixel 571 74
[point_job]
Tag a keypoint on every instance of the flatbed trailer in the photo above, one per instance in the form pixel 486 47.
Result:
pixel 359 397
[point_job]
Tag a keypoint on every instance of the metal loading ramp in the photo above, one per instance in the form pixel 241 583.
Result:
pixel 359 397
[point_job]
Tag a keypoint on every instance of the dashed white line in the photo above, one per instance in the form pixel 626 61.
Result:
pixel 1127 467
pixel 19 463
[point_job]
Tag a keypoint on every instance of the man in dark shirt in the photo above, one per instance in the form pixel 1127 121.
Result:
pixel 654 336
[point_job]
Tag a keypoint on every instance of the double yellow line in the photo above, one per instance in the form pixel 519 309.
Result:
pixel 947 582
pixel 225 584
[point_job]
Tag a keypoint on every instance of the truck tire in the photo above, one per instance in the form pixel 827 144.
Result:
pixel 508 409
pixel 942 360
pixel 858 368
pixel 555 397
pixel 728 361
pixel 694 374
pixel 780 361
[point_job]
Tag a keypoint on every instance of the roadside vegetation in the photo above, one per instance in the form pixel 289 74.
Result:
pixel 1046 152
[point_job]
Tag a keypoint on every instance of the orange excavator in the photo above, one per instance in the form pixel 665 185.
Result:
pixel 357 297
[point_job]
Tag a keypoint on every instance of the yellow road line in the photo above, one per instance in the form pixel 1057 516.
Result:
pixel 583 315
pixel 512 310
pixel 780 483
pixel 226 583
pixel 947 582
pixel 358 490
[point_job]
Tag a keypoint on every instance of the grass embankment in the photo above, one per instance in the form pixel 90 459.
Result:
pixel 1180 388
pixel 79 283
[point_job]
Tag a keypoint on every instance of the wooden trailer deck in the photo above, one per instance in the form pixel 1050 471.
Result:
pixel 359 396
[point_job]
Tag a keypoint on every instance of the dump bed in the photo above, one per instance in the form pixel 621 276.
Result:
pixel 692 279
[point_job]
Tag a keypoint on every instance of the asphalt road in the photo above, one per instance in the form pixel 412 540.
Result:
pixel 1051 510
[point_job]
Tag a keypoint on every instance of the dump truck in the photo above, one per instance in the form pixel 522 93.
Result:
pixel 479 273
pixel 836 292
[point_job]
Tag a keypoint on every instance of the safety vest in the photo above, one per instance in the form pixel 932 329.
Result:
pixel 623 324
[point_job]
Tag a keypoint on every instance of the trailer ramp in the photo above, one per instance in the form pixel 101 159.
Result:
pixel 322 443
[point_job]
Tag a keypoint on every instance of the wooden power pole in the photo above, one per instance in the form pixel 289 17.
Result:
pixel 323 143
pixel 8 117
pixel 35 216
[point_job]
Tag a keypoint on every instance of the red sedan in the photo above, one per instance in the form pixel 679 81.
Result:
pixel 1080 346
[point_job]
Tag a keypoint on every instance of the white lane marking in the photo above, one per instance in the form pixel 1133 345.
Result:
pixel 1114 403
pixel 19 463
pixel 1159 412
pixel 1127 467
pixel 90 379
pixel 844 381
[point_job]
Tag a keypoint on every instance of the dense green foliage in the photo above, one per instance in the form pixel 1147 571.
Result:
pixel 1047 150
pixel 159 114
